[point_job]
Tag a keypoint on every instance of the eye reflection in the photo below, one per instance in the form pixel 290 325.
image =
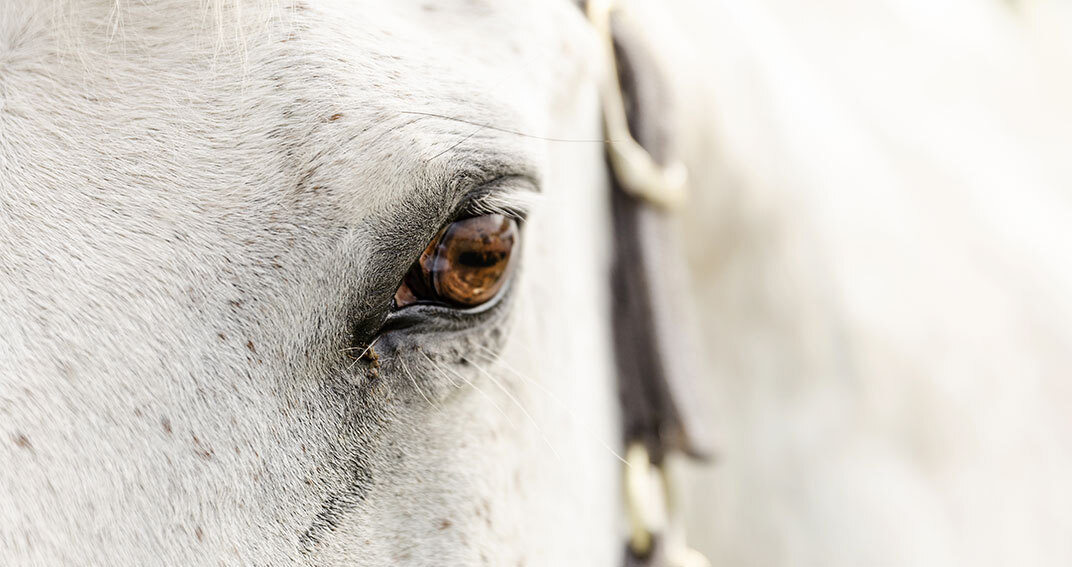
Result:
pixel 464 266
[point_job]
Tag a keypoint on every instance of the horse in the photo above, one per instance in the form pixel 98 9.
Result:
pixel 235 330
pixel 306 282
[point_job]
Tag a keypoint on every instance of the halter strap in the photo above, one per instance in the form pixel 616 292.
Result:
pixel 634 167
pixel 651 345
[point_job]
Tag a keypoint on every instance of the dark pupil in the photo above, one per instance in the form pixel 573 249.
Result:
pixel 481 259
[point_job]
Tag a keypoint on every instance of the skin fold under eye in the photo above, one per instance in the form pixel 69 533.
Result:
pixel 464 266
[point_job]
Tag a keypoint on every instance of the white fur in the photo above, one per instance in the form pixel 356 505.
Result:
pixel 186 215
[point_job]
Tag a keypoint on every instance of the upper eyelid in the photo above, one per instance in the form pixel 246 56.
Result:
pixel 512 196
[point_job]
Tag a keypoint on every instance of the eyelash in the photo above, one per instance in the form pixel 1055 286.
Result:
pixel 500 196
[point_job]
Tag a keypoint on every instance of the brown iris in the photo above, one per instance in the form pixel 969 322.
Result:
pixel 465 265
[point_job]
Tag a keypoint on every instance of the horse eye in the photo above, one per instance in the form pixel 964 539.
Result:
pixel 465 265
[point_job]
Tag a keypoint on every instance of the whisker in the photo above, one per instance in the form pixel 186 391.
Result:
pixel 508 131
pixel 554 398
pixel 517 403
pixel 471 384
pixel 459 142
pixel 413 381
pixel 449 379
pixel 363 353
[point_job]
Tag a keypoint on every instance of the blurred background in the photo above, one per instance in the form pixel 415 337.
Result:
pixel 881 245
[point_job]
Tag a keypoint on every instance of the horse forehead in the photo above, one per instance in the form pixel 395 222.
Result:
pixel 390 85
pixel 396 52
pixel 509 64
pixel 327 111
pixel 369 95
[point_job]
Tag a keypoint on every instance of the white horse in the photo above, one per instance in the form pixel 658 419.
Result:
pixel 207 356
pixel 206 212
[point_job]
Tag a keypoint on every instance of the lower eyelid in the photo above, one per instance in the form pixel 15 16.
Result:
pixel 437 318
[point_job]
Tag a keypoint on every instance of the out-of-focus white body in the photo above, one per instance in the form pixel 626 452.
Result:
pixel 885 272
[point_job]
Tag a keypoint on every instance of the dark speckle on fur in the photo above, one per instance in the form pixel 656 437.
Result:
pixel 23 442
pixel 166 424
pixel 201 450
